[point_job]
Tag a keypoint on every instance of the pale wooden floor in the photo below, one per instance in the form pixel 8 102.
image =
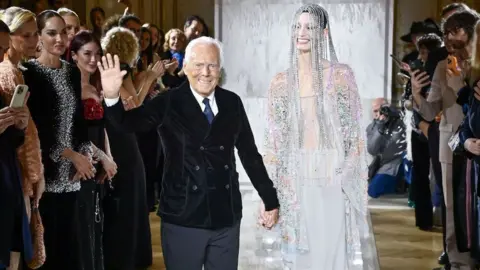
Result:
pixel 400 245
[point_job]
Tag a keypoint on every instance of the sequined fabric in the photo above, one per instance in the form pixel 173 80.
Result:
pixel 55 120
pixel 313 141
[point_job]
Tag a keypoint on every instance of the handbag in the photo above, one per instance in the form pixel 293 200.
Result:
pixel 37 231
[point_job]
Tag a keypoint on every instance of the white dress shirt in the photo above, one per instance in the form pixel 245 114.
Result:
pixel 213 104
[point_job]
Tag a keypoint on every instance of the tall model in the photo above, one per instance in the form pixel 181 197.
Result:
pixel 316 153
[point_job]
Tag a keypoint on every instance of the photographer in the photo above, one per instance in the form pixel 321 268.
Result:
pixel 386 143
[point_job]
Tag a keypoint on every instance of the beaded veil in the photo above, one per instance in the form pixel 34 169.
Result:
pixel 314 138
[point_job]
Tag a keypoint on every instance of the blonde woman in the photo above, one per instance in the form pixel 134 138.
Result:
pixel 174 52
pixel 23 42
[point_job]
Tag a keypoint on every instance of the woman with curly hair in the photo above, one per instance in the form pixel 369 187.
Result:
pixel 127 239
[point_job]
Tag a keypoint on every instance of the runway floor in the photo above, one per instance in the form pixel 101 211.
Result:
pixel 400 245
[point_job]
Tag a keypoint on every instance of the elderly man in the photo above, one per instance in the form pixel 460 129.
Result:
pixel 386 143
pixel 200 124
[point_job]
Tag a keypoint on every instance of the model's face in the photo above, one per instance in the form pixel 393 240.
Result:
pixel 145 41
pixel 303 32
pixel 176 41
pixel 203 68
pixel 87 57
pixel 194 31
pixel 73 26
pixel 54 36
pixel 25 39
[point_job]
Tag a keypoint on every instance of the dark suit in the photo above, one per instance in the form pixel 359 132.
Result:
pixel 200 188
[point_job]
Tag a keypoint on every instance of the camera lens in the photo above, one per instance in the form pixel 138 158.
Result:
pixel 20 90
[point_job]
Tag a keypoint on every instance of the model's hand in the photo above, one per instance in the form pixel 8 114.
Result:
pixel 129 104
pixel 111 75
pixel 172 66
pixel 83 165
pixel 109 166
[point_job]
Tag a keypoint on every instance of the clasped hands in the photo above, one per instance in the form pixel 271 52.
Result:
pixel 268 218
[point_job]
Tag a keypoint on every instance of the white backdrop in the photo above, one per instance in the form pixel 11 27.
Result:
pixel 256 39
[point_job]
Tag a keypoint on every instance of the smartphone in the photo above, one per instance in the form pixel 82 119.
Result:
pixel 452 65
pixel 417 65
pixel 397 61
pixel 19 96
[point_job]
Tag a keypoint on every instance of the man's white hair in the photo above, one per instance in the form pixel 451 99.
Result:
pixel 205 41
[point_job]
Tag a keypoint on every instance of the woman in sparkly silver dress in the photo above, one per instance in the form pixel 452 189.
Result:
pixel 56 108
pixel 316 155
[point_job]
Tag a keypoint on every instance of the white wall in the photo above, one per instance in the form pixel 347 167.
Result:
pixel 256 36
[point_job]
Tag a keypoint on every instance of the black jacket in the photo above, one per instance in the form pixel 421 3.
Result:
pixel 200 185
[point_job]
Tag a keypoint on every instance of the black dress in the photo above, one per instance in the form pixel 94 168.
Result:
pixel 90 204
pixel 13 216
pixel 56 108
pixel 127 238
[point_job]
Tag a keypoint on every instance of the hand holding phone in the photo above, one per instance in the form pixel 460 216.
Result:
pixel 19 96
pixel 452 65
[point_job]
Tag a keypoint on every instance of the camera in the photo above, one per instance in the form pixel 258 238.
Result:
pixel 388 112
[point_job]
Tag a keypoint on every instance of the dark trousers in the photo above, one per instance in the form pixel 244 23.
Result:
pixel 421 182
pixel 60 216
pixel 192 248
pixel 434 148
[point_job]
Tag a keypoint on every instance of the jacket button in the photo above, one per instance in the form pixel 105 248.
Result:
pixel 226 167
pixel 227 186
pixel 194 187
pixel 202 148
pixel 221 147
pixel 197 168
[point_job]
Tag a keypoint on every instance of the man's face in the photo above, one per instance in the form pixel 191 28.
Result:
pixel 376 105
pixel 203 68
pixel 4 44
pixel 194 31
pixel 458 41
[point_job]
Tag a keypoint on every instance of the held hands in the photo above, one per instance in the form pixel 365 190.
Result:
pixel 268 218
pixel 111 75
pixel 83 165
pixel 419 80
pixel 473 146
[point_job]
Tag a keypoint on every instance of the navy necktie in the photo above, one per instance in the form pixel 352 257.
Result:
pixel 208 110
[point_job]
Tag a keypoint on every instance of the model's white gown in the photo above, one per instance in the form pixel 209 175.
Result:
pixel 320 227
